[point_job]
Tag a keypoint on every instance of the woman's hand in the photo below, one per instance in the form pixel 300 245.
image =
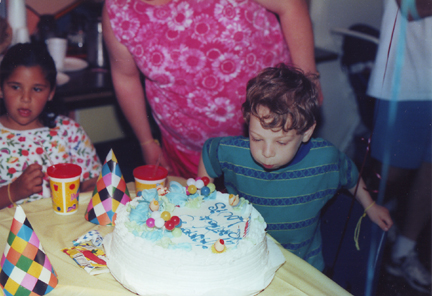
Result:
pixel 30 182
pixel 152 154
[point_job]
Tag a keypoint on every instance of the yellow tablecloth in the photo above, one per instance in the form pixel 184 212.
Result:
pixel 55 232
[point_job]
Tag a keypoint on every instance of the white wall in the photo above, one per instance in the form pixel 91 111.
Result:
pixel 340 115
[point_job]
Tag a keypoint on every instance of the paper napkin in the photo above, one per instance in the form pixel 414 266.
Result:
pixel 25 268
pixel 109 193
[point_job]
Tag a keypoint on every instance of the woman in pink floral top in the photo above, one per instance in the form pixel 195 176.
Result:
pixel 32 139
pixel 197 57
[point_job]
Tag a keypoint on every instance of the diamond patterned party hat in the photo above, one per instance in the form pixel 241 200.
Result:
pixel 25 268
pixel 109 193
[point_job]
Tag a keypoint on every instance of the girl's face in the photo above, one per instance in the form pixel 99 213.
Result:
pixel 274 149
pixel 25 93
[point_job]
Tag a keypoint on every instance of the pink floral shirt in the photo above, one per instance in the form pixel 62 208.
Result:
pixel 67 142
pixel 198 56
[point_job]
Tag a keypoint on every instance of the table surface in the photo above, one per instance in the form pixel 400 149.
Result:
pixel 55 232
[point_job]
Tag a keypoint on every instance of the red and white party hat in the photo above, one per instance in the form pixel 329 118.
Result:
pixel 109 193
pixel 25 268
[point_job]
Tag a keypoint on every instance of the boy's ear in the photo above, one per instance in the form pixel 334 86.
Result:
pixel 308 134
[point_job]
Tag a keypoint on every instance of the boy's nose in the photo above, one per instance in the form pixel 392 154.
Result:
pixel 268 150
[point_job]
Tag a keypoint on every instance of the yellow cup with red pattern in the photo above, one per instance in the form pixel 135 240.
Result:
pixel 64 184
pixel 149 176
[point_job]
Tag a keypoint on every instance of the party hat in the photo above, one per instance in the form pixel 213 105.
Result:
pixel 109 193
pixel 25 268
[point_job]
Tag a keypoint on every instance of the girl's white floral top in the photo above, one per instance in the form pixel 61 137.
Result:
pixel 66 143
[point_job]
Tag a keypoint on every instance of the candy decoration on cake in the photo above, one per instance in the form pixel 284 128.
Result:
pixel 25 268
pixel 154 205
pixel 200 185
pixel 161 190
pixel 233 200
pixel 109 193
pixel 218 246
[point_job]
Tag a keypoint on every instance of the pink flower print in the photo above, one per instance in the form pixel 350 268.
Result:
pixel 235 37
pixel 159 57
pixel 21 139
pixel 159 13
pixel 205 28
pixel 181 18
pixel 193 61
pixel 126 27
pixel 226 13
pixel 222 110
pixel 197 101
pixel 80 160
pixel 206 79
pixel 227 66
pixel 162 77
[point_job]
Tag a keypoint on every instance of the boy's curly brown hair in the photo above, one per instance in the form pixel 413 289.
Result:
pixel 289 94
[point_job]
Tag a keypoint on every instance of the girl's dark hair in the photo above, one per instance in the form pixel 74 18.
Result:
pixel 30 55
pixel 290 96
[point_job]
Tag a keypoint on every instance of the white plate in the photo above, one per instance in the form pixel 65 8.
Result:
pixel 62 78
pixel 74 64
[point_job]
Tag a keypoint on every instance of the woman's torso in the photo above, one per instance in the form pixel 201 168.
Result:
pixel 197 57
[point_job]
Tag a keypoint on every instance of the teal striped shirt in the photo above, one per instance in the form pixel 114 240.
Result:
pixel 290 198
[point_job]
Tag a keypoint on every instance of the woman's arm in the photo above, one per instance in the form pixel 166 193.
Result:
pixel 297 29
pixel 129 91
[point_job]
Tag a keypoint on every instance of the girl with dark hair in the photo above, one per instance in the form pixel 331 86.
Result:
pixel 32 137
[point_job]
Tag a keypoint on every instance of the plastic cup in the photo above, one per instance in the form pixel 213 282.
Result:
pixel 147 177
pixel 57 48
pixel 64 184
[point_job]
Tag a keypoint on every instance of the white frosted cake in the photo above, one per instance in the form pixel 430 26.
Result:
pixel 178 243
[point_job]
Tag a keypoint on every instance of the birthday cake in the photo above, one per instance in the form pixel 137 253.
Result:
pixel 180 242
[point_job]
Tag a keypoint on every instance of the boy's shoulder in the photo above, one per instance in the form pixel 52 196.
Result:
pixel 317 143
pixel 237 141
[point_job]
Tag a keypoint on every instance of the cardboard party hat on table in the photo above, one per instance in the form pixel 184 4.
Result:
pixel 109 193
pixel 25 268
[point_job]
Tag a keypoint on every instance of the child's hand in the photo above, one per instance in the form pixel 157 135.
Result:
pixel 28 183
pixel 380 216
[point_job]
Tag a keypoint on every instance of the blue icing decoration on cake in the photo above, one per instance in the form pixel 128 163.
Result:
pixel 140 213
pixel 228 233
pixel 217 220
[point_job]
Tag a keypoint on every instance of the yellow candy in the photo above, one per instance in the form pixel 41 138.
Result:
pixel 165 215
pixel 154 205
pixel 176 232
pixel 192 189
pixel 211 186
